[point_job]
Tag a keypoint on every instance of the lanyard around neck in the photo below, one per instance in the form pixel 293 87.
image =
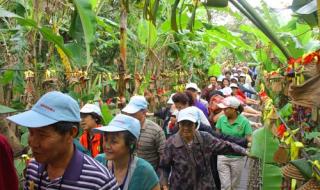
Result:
pixel 125 178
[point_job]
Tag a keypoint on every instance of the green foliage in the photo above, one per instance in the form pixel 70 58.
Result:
pixel 272 178
pixel 5 109
pixel 7 77
pixel 24 139
pixel 286 111
pixel 147 33
pixel 106 114
pixel 88 23
pixel 264 145
pixel 214 70
pixel 312 135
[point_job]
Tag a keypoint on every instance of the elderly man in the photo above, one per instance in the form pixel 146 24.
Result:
pixel 53 122
pixel 152 138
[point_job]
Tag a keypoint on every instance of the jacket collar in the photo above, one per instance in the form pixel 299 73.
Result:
pixel 178 141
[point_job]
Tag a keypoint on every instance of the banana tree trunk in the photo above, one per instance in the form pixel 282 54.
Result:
pixel 193 17
pixel 123 47
pixel 154 11
pixel 174 15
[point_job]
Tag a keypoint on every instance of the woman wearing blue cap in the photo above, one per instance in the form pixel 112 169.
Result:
pixel 120 138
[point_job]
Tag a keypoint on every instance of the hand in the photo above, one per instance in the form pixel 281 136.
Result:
pixel 83 125
pixel 149 114
pixel 249 155
pixel 165 187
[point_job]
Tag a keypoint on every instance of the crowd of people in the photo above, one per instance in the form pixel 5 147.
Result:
pixel 201 144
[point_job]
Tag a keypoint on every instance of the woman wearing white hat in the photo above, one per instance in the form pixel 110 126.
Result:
pixel 120 138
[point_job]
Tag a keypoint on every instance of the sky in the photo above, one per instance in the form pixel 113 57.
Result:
pixel 278 4
pixel 281 6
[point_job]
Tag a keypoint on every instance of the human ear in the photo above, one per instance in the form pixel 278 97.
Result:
pixel 74 132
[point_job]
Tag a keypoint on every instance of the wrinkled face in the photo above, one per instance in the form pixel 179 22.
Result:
pixel 87 121
pixel 229 112
pixel 187 129
pixel 140 115
pixel 213 80
pixel 179 106
pixel 48 145
pixel 114 145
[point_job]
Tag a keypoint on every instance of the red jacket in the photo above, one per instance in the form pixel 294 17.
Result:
pixel 94 145
pixel 8 175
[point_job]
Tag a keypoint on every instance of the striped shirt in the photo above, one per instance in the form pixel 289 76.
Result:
pixel 82 173
pixel 151 143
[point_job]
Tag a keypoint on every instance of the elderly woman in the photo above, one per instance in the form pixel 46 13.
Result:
pixel 187 155
pixel 232 123
pixel 120 138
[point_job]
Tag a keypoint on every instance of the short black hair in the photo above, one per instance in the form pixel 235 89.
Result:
pixel 95 116
pixel 228 72
pixel 183 98
pixel 240 109
pixel 212 76
pixel 64 127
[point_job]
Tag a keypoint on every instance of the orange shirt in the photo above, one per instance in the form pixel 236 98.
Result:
pixel 94 145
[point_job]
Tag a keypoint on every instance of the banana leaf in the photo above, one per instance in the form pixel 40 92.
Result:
pixel 106 114
pixel 86 15
pixel 286 110
pixel 264 144
pixel 5 109
pixel 271 177
pixel 214 70
pixel 304 166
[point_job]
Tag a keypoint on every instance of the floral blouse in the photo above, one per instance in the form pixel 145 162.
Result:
pixel 189 164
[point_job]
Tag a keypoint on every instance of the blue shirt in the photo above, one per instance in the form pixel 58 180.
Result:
pixel 202 107
pixel 143 178
pixel 82 172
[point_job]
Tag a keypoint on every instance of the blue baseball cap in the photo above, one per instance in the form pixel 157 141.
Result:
pixel 136 104
pixel 120 123
pixel 51 108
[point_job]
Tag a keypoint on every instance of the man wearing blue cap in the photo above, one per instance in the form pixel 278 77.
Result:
pixel 53 122
pixel 152 138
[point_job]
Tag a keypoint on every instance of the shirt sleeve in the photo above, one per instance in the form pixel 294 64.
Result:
pixel 218 125
pixel 165 164
pixel 161 141
pixel 220 147
pixel 203 118
pixel 247 128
